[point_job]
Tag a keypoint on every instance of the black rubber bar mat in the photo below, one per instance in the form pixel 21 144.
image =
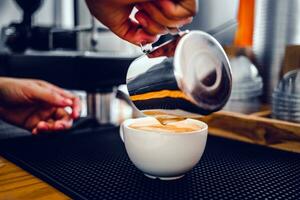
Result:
pixel 94 165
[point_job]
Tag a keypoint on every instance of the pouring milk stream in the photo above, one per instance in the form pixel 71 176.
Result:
pixel 185 77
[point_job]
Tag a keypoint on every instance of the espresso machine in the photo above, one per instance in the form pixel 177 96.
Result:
pixel 84 57
pixel 58 55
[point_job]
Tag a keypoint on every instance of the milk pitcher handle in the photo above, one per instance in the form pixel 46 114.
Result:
pixel 122 132
pixel 147 48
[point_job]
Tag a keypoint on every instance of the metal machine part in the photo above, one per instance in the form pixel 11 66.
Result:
pixel 74 70
pixel 286 98
pixel 17 36
pixel 84 68
pixel 33 54
pixel 29 8
pixel 20 36
pixel 109 107
pixel 71 70
pixel 100 106
pixel 247 86
pixel 276 26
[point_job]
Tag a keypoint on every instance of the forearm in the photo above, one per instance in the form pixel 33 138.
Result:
pixel 4 82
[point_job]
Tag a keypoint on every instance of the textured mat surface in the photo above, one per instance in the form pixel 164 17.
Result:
pixel 94 165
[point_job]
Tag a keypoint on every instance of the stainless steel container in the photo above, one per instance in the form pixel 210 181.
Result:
pixel 246 86
pixel 286 98
pixel 188 75
pixel 276 25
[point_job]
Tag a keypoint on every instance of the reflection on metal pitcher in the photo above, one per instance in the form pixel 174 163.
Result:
pixel 187 75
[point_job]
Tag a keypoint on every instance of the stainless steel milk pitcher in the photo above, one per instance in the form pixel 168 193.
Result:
pixel 187 75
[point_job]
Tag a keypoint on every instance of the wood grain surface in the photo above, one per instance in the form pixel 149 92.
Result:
pixel 17 184
pixel 255 128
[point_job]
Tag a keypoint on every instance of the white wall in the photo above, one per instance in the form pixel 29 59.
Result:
pixel 213 13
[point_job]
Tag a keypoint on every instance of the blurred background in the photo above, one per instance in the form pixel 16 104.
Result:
pixel 59 41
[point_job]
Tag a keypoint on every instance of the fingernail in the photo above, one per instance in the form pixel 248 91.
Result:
pixel 68 102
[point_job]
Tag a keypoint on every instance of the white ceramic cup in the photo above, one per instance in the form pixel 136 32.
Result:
pixel 162 155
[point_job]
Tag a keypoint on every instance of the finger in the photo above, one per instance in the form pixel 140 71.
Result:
pixel 59 125
pixel 60 113
pixel 62 119
pixel 55 88
pixel 42 126
pixel 158 16
pixel 50 97
pixel 51 125
pixel 76 108
pixel 119 21
pixel 47 126
pixel 133 33
pixel 178 10
pixel 149 25
pixel 54 126
pixel 63 124
pixel 39 115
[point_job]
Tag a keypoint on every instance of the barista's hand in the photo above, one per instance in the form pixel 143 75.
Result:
pixel 36 105
pixel 154 17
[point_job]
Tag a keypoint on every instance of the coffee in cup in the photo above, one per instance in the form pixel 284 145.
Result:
pixel 164 151
pixel 175 127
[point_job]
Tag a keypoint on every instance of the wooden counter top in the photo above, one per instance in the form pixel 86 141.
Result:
pixel 15 184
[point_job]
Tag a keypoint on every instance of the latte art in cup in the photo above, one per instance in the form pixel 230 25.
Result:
pixel 176 127
pixel 165 150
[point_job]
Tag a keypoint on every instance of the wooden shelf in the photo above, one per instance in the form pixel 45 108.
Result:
pixel 256 128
